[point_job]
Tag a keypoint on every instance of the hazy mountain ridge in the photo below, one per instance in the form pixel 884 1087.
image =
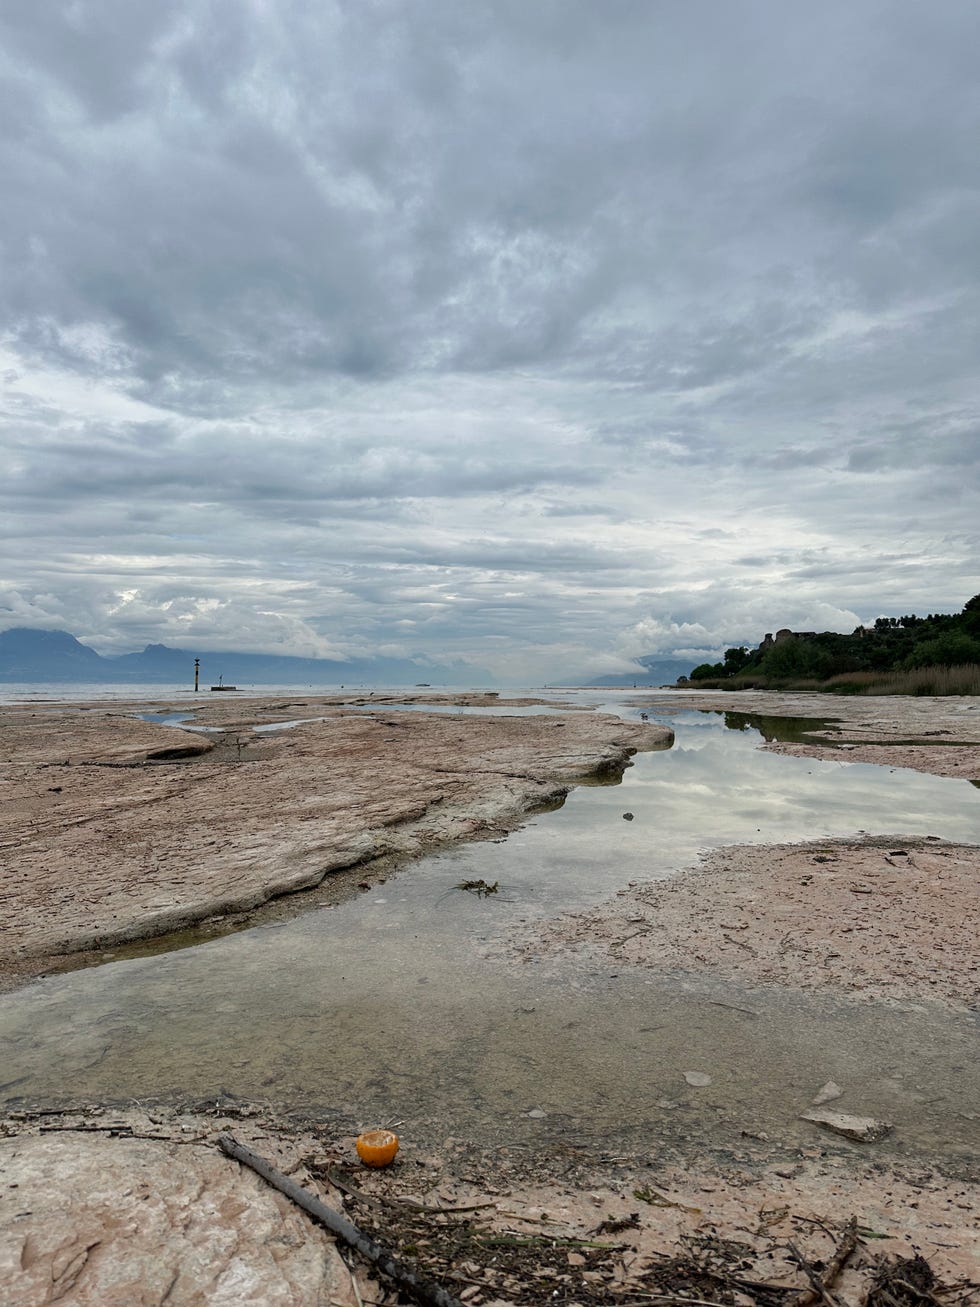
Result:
pixel 30 654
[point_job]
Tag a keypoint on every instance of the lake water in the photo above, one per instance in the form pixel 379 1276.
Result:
pixel 86 691
pixel 406 1002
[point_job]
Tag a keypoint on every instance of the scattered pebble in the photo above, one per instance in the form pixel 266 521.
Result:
pixel 827 1094
pixel 697 1079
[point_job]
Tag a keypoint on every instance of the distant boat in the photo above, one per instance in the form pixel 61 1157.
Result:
pixel 221 685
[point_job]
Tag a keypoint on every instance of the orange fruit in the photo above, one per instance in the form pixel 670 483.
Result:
pixel 377 1147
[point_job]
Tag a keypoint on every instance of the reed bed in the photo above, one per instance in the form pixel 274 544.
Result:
pixel 940 681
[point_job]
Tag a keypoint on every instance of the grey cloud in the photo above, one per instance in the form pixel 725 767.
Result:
pixel 590 314
pixel 955 450
pixel 96 50
pixel 264 476
pixel 579 510
pixel 356 228
pixel 789 457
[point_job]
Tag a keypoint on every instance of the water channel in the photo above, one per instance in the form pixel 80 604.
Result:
pixel 408 1003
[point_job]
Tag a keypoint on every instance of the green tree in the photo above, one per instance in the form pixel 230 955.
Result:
pixel 793 657
pixel 708 671
pixel 950 649
pixel 735 660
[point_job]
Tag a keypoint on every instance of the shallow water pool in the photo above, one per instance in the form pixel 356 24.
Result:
pixel 406 1002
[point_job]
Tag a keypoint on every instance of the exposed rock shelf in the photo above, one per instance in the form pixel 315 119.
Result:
pixel 103 844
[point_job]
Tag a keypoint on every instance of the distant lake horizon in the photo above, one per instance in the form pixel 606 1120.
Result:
pixel 25 692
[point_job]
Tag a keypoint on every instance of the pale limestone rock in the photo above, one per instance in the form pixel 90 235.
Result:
pixel 165 846
pixel 864 1129
pixel 133 1223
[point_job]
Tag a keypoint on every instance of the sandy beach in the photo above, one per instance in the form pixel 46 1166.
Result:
pixel 102 1204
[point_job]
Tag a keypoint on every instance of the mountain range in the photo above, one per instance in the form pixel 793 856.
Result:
pixel 29 654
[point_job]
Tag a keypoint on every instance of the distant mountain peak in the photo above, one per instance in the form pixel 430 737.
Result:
pixel 33 654
pixel 21 634
pixel 30 638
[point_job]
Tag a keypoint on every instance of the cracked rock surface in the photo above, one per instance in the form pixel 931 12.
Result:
pixel 103 842
pixel 141 1222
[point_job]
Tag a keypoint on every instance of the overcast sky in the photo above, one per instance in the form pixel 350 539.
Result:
pixel 535 333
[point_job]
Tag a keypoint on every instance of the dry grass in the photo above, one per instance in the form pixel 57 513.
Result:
pixel 964 679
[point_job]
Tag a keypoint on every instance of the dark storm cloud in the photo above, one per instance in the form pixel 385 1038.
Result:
pixel 352 189
pixel 630 308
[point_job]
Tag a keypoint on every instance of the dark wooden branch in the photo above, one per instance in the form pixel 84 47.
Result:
pixel 431 1295
pixel 821 1284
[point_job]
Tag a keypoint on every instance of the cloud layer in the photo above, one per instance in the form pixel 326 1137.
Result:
pixel 542 336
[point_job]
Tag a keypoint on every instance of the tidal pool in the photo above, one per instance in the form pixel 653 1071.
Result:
pixel 405 1003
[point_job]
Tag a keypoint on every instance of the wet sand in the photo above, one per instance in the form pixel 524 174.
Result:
pixel 877 918
pixel 874 919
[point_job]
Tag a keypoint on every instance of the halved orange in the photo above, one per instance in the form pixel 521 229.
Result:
pixel 376 1147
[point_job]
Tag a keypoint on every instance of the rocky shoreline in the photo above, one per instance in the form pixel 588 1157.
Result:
pixel 114 1204
pixel 873 919
pixel 940 736
pixel 110 1206
pixel 118 829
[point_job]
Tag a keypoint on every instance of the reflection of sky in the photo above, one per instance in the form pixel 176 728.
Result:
pixel 716 786
pixel 300 1004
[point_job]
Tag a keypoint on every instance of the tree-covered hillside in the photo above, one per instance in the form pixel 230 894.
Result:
pixel 894 645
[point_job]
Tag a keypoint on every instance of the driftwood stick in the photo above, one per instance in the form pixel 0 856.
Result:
pixel 836 1264
pixel 403 1275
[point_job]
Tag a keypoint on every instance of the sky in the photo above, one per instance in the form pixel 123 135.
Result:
pixel 535 337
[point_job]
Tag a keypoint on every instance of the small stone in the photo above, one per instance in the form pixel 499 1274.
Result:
pixel 536 1114
pixel 827 1094
pixel 697 1079
pixel 627 816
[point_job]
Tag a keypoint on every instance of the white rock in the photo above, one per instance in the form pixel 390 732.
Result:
pixel 109 1223
pixel 697 1079
pixel 865 1129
